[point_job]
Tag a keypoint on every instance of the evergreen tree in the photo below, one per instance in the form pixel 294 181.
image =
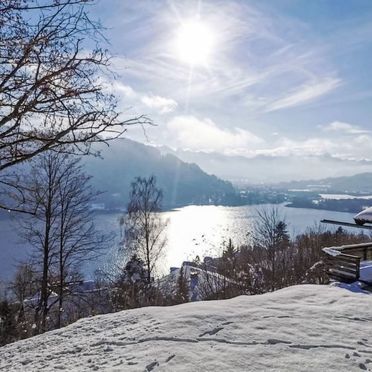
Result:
pixel 8 326
pixel 134 271
pixel 132 289
pixel 182 292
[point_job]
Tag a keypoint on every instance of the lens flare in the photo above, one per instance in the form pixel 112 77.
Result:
pixel 195 42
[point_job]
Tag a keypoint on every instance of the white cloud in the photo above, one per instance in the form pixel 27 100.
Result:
pixel 242 69
pixel 162 104
pixel 343 147
pixel 126 90
pixel 265 61
pixel 289 147
pixel 189 132
pixel 305 93
pixel 127 94
pixel 344 128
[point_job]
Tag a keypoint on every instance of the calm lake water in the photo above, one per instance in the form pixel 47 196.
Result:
pixel 192 230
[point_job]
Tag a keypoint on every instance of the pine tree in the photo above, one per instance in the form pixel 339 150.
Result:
pixel 8 327
pixel 132 289
pixel 182 292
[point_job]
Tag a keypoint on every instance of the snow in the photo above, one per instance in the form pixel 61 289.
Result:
pixel 364 216
pixel 332 251
pixel 366 271
pixel 344 197
pixel 300 328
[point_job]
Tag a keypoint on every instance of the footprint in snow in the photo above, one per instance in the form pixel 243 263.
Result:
pixel 212 332
pixel 108 348
pixel 151 366
pixel 170 358
pixel 274 341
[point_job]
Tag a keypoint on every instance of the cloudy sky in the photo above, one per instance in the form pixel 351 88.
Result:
pixel 253 78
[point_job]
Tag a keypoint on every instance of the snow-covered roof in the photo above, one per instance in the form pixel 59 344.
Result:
pixel 364 216
pixel 201 282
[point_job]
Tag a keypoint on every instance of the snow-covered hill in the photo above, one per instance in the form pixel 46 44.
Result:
pixel 301 328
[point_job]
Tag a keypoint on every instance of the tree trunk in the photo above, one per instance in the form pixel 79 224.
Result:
pixel 61 285
pixel 46 251
pixel 148 260
pixel 44 287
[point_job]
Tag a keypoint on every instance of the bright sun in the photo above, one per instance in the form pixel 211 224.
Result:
pixel 194 43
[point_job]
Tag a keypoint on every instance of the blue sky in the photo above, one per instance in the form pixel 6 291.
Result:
pixel 280 77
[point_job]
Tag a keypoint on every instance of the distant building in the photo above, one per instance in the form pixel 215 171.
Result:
pixel 202 282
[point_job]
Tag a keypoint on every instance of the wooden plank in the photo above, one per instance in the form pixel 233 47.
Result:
pixel 350 270
pixel 350 246
pixel 342 273
pixel 342 278
pixel 344 269
pixel 345 255
pixel 342 258
pixel 358 251
pixel 365 253
pixel 340 268
pixel 342 261
pixel 348 224
pixel 350 255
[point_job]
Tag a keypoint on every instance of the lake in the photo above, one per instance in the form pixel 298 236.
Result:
pixel 191 231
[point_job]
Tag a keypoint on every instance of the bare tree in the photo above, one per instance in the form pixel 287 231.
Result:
pixel 78 239
pixel 270 234
pixel 144 228
pixel 53 83
pixel 60 229
pixel 40 229
pixel 24 285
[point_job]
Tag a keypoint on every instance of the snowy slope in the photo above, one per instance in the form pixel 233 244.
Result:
pixel 301 328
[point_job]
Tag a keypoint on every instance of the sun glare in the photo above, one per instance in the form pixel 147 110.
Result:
pixel 194 43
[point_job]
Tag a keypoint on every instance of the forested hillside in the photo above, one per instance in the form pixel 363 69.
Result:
pixel 182 183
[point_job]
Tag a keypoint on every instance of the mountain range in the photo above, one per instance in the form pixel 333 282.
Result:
pixel 265 169
pixel 356 184
pixel 182 183
pixel 186 177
